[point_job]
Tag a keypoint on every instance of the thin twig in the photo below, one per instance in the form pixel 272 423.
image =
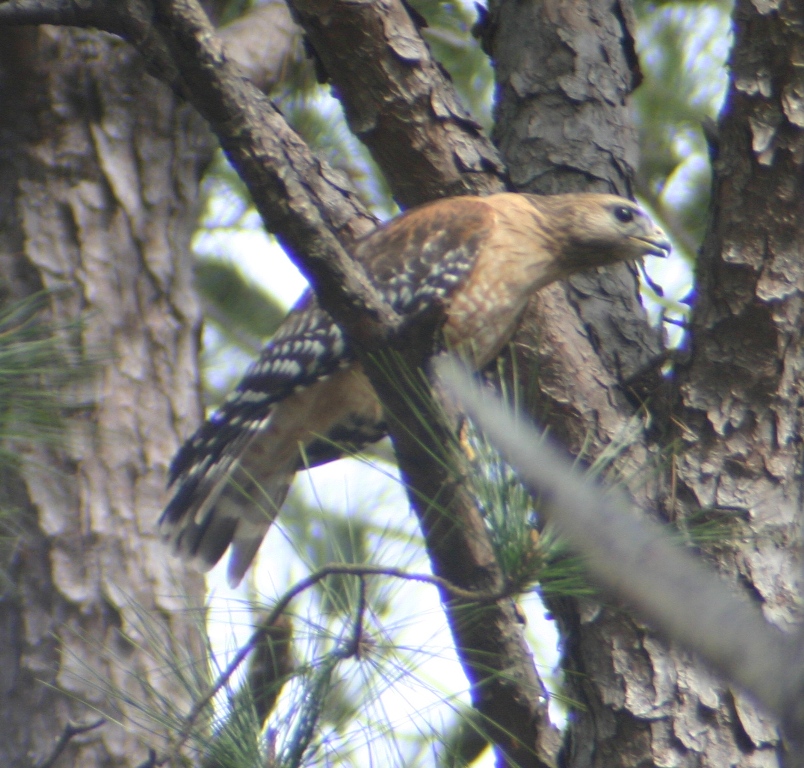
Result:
pixel 67 735
pixel 480 597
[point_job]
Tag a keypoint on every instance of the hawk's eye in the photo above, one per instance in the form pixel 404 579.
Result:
pixel 624 214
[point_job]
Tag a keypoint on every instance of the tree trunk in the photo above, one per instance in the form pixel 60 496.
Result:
pixel 563 124
pixel 100 179
pixel 738 414
pixel 739 419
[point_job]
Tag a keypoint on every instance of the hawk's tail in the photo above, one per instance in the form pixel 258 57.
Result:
pixel 219 502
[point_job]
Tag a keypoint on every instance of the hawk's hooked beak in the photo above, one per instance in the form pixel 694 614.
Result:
pixel 656 246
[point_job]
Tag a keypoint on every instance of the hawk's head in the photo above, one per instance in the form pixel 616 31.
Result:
pixel 592 230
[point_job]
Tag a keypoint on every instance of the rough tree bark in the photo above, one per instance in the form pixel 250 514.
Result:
pixel 100 176
pixel 737 417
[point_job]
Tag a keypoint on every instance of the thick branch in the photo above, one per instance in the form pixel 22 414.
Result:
pixel 399 101
pixel 301 200
pixel 370 67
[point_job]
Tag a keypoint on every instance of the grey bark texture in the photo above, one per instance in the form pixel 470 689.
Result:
pixel 100 171
pixel 739 416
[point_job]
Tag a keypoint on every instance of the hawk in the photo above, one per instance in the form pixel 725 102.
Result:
pixel 307 395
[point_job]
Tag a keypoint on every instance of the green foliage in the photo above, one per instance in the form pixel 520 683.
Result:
pixel 237 744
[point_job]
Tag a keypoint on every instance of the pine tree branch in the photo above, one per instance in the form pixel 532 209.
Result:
pixel 274 616
pixel 287 183
pixel 399 101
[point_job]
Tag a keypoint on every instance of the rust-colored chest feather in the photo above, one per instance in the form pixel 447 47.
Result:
pixel 513 260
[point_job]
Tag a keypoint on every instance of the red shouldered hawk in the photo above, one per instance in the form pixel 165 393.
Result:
pixel 482 258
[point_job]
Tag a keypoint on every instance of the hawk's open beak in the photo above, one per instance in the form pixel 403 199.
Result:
pixel 657 246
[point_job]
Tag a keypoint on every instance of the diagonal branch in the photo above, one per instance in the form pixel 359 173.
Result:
pixel 302 201
pixel 399 101
pixel 633 558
